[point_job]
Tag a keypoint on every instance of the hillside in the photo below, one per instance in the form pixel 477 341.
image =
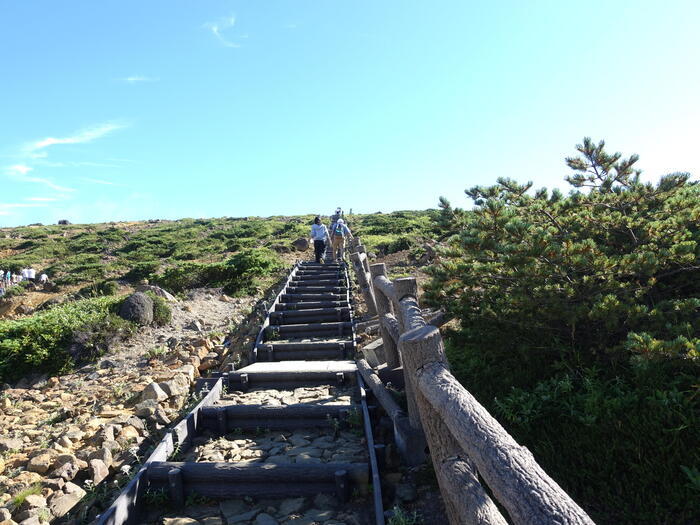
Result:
pixel 80 259
pixel 77 365
pixel 575 318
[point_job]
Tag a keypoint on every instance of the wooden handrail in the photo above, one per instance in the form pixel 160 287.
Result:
pixel 466 443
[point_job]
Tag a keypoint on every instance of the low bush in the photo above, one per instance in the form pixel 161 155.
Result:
pixel 93 339
pixel 99 289
pixel 236 275
pixel 42 342
pixel 580 329
pixel 162 313
pixel 15 290
pixel 142 270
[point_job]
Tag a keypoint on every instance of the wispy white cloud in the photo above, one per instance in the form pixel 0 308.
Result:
pixel 85 135
pixel 100 181
pixel 21 205
pixel 224 24
pixel 20 172
pixel 18 169
pixel 6 208
pixel 78 164
pixel 33 156
pixel 48 183
pixel 136 79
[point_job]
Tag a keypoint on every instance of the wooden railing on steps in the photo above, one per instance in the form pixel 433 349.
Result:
pixel 466 444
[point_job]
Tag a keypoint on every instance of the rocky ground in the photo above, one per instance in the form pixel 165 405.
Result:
pixel 69 443
pixel 65 438
pixel 322 509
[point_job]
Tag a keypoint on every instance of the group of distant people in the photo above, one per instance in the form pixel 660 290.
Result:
pixel 336 235
pixel 8 279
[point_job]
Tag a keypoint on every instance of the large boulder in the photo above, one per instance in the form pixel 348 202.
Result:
pixel 137 307
pixel 301 244
pixel 157 290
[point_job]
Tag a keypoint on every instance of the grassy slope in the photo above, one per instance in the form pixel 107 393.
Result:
pixel 87 254
pixel 241 255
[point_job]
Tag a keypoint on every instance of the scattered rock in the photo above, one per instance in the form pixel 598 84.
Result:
pixel 66 471
pixel 156 290
pixel 232 507
pixel 137 307
pixel 41 463
pixel 242 518
pixel 10 444
pixel 406 492
pixel 301 244
pixel 104 455
pixel 317 515
pixel 211 520
pixel 292 506
pixel 33 501
pixel 265 519
pixel 194 325
pixel 155 392
pixel 98 471
pixel 179 385
pixel 62 502
pixel 325 502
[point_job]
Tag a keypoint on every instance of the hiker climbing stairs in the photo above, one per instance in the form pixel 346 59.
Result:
pixel 286 439
pixel 312 318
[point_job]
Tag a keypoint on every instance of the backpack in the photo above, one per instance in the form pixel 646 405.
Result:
pixel 338 230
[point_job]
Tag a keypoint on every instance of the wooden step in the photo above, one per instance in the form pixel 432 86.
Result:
pixel 224 480
pixel 285 374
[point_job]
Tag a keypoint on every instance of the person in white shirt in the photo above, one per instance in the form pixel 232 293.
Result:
pixel 319 234
pixel 43 278
pixel 31 274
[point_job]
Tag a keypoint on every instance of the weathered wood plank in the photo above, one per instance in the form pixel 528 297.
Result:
pixel 511 472
pixel 225 472
pixel 466 502
pixel 378 272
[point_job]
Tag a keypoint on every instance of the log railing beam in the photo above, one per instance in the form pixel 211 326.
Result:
pixel 378 271
pixel 528 494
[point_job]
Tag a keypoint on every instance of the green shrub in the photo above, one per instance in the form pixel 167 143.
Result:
pixel 237 274
pixel 99 289
pixel 42 342
pixel 162 313
pixel 580 328
pixel 142 270
pixel 16 290
pixel 94 338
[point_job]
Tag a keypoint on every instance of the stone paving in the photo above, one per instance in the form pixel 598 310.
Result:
pixel 309 445
pixel 319 395
pixel 322 510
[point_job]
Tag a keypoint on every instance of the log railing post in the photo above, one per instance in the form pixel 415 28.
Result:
pixel 465 500
pixel 365 284
pixel 383 308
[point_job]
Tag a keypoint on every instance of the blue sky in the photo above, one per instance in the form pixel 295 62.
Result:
pixel 127 110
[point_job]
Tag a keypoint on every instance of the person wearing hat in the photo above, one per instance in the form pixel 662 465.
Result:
pixel 337 215
pixel 338 234
pixel 319 234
